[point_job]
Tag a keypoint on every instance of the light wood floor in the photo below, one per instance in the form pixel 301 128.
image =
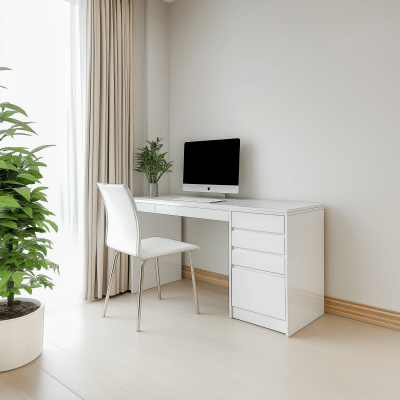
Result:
pixel 179 355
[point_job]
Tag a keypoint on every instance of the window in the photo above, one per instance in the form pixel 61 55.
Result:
pixel 42 42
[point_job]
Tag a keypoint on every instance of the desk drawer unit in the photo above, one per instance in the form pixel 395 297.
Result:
pixel 193 212
pixel 259 261
pixel 259 292
pixel 259 222
pixel 259 241
pixel 257 257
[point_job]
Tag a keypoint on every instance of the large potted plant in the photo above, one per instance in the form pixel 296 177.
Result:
pixel 153 163
pixel 23 250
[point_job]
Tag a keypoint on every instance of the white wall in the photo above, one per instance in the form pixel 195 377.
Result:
pixel 156 77
pixel 312 88
pixel 151 81
pixel 140 129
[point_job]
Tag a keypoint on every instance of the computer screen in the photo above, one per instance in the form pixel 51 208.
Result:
pixel 212 162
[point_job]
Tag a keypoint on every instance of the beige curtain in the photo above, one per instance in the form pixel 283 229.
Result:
pixel 109 158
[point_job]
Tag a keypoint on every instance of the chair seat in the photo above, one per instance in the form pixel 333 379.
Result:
pixel 158 247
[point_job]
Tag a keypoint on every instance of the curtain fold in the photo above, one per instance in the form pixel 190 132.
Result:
pixel 110 132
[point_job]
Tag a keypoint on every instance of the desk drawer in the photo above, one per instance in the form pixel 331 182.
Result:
pixel 259 292
pixel 193 212
pixel 258 241
pixel 257 260
pixel 145 207
pixel 258 222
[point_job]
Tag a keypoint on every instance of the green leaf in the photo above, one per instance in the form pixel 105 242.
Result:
pixel 5 69
pixel 10 260
pixel 38 217
pixel 8 216
pixel 19 215
pixel 29 177
pixel 28 289
pixel 17 277
pixel 38 189
pixel 24 125
pixel 15 290
pixel 9 224
pixel 4 165
pixel 7 201
pixel 53 225
pixel 8 237
pixel 21 134
pixel 42 147
pixel 32 231
pixel 13 182
pixel 12 150
pixel 28 211
pixel 4 280
pixel 54 266
pixel 34 172
pixel 6 114
pixel 24 191
pixel 28 263
pixel 13 107
pixel 40 196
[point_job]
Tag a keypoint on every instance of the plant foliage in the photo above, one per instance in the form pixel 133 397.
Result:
pixel 152 162
pixel 22 214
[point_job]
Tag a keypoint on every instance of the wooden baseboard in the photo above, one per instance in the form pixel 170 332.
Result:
pixel 343 308
pixel 362 312
pixel 211 278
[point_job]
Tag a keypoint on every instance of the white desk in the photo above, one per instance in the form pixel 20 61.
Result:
pixel 276 256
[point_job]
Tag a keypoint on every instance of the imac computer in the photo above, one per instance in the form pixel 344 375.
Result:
pixel 211 166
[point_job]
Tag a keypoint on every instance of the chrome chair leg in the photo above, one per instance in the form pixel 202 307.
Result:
pixel 110 283
pixel 196 303
pixel 139 311
pixel 158 279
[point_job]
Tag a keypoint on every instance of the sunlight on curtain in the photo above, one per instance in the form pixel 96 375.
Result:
pixel 43 42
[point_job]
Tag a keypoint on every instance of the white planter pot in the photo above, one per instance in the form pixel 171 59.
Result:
pixel 21 339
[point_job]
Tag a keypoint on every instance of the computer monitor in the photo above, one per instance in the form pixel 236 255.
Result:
pixel 211 166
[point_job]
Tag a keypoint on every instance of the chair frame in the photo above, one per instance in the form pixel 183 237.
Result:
pixel 140 291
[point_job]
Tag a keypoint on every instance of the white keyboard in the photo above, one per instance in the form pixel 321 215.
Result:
pixel 199 199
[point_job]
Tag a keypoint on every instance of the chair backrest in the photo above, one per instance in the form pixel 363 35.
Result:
pixel 123 224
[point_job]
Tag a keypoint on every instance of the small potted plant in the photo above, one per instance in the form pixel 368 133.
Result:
pixel 153 164
pixel 22 251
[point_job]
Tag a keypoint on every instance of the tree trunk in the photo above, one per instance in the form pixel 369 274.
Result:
pixel 10 297
pixel 10 284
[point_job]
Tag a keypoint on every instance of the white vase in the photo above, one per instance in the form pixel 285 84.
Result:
pixel 21 339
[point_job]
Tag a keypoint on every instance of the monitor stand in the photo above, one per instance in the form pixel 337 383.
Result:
pixel 215 195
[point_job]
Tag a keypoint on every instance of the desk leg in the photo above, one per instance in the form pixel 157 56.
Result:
pixel 139 309
pixel 230 262
pixel 196 303
pixel 158 279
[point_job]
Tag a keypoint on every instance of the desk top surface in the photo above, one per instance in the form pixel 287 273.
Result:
pixel 232 204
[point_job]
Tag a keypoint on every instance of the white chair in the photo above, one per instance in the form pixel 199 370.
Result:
pixel 124 236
